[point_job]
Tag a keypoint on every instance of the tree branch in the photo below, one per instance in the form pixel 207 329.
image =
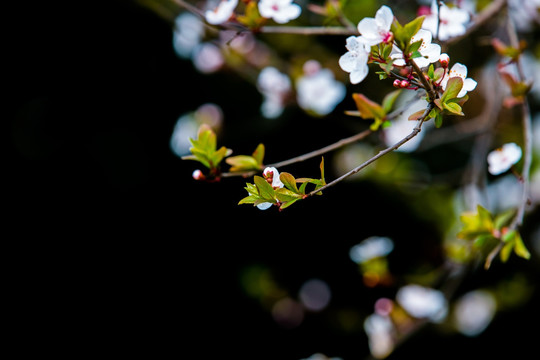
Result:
pixel 415 132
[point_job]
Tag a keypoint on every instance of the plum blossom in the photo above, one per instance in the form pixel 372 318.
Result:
pixel 453 21
pixel 502 159
pixel 317 90
pixel 370 248
pixel 281 11
pixel 373 31
pixel 402 126
pixel 474 311
pixel 422 302
pixel 271 174
pixel 354 61
pixel 221 13
pixel 188 33
pixel 275 87
pixel 377 30
pixel 430 52
pixel 459 70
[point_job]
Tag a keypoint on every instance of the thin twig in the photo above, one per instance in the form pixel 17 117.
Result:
pixel 308 30
pixel 415 132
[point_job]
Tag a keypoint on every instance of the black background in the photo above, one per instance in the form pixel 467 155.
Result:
pixel 119 252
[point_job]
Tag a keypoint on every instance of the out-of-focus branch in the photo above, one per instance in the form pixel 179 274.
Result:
pixel 308 30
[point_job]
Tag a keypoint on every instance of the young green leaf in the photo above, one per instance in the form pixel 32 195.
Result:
pixel 266 191
pixel 289 181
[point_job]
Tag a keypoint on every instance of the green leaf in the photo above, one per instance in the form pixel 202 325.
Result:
pixel 286 195
pixel 453 87
pixel 321 166
pixel 438 120
pixel 453 107
pixel 289 181
pixel 266 191
pixel 506 251
pixel 476 224
pixel 287 204
pixel 258 154
pixel 520 249
pixel 431 72
pixel 389 100
pixel 503 219
pixel 242 163
pixel 368 109
pixel 415 46
pixel 251 199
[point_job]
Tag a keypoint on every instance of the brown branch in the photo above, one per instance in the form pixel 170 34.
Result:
pixel 415 132
pixel 308 30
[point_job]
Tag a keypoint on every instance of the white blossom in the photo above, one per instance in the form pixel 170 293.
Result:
pixel 318 91
pixel 474 311
pixel 371 248
pixel 380 331
pixel 354 61
pixel 502 159
pixel 275 87
pixel 402 126
pixel 453 21
pixel 377 30
pixel 459 70
pixel 272 174
pixel 221 13
pixel 422 302
pixel 430 52
pixel 187 34
pixel 281 11
pixel 207 58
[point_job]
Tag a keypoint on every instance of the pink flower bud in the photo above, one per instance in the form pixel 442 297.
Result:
pixel 405 83
pixel 444 59
pixel 397 83
pixel 198 175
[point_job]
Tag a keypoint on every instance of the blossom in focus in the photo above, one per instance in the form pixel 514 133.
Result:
pixel 453 21
pixel 281 11
pixel 317 90
pixel 422 302
pixel 430 52
pixel 354 61
pixel 502 159
pixel 459 70
pixel 377 30
pixel 221 13
pixel 275 87
pixel 271 174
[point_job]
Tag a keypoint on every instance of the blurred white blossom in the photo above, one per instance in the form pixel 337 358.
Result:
pixel 503 158
pixel 275 87
pixel 402 126
pixel 207 58
pixel 453 21
pixel 188 33
pixel 281 11
pixel 474 312
pixel 524 13
pixel 317 90
pixel 221 13
pixel 422 302
pixel 370 248
pixel 381 335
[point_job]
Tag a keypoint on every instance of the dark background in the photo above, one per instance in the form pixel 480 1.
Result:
pixel 117 251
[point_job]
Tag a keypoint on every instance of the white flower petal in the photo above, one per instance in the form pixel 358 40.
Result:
pixel 384 18
pixel 369 30
pixel 264 206
pixel 359 74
